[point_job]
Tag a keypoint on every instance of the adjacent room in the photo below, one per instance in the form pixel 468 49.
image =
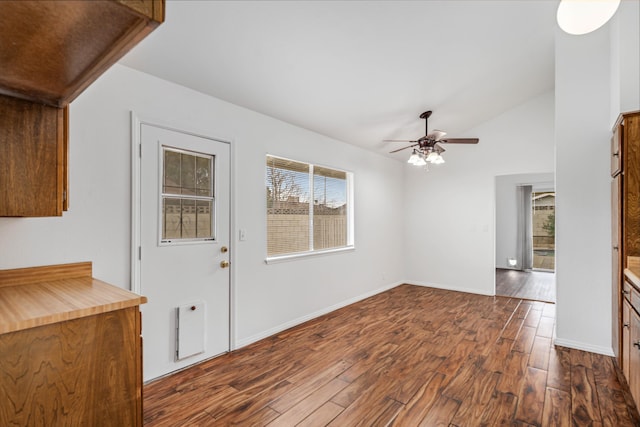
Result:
pixel 318 213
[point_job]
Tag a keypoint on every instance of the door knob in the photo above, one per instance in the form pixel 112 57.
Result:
pixel 224 263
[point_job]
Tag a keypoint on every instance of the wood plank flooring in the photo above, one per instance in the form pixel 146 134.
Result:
pixel 531 285
pixel 411 356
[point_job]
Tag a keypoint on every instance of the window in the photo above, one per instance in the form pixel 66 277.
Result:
pixel 309 208
pixel 187 196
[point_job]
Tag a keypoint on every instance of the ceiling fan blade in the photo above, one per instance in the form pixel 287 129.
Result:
pixel 399 140
pixel 460 141
pixel 403 148
pixel 439 148
pixel 436 135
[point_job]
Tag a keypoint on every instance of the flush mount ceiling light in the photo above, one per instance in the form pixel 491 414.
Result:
pixel 579 17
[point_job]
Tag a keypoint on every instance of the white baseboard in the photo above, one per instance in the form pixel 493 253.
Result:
pixel 450 288
pixel 284 326
pixel 607 351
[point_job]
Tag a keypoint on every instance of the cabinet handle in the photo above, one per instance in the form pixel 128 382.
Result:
pixel 637 344
pixel 616 154
pixel 625 292
pixel 615 248
pixel 626 325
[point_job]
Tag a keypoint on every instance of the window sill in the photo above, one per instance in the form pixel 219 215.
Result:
pixel 291 257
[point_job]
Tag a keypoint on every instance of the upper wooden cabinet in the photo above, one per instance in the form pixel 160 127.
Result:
pixel 50 51
pixel 33 158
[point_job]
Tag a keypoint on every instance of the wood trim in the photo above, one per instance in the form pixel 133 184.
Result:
pixel 29 275
pixel 65 159
pixel 633 263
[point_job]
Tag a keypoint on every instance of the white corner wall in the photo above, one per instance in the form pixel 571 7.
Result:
pixel 625 58
pixel 266 298
pixel 583 208
pixel 449 211
pixel 507 211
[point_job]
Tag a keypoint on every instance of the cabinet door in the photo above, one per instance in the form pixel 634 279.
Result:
pixel 634 357
pixel 81 372
pixel 616 267
pixel 616 152
pixel 33 158
pixel 626 336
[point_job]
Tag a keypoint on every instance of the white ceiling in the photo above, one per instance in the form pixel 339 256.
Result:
pixel 359 71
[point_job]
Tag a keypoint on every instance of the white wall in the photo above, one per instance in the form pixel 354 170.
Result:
pixel 267 298
pixel 449 211
pixel 597 77
pixel 583 227
pixel 507 211
pixel 625 59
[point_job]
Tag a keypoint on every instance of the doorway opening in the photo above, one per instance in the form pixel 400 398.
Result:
pixel 525 236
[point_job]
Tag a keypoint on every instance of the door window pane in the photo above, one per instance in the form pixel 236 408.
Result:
pixel 187 196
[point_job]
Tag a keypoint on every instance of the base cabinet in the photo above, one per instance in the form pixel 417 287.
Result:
pixel 634 357
pixel 70 349
pixel 79 372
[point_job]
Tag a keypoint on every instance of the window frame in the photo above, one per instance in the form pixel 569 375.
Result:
pixel 162 195
pixel 349 197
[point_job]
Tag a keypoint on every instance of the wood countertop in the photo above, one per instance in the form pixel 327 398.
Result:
pixel 632 272
pixel 37 296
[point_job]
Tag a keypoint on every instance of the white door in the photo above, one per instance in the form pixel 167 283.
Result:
pixel 184 240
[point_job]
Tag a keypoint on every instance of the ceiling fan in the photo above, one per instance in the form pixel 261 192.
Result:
pixel 427 148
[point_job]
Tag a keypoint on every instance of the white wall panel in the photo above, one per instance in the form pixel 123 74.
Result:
pixel 449 211
pixel 267 298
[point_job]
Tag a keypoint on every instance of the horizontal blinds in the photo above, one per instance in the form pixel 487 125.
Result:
pixel 287 206
pixel 304 212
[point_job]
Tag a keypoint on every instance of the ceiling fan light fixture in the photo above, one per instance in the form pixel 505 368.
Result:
pixel 420 162
pixel 579 17
pixel 415 158
pixel 438 160
pixel 432 156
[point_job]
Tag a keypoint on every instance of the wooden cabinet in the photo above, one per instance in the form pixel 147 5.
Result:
pixel 625 237
pixel 49 53
pixel 630 336
pixel 625 211
pixel 33 158
pixel 633 377
pixel 70 349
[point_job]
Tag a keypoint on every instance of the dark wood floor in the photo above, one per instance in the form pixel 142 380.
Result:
pixel 531 285
pixel 410 356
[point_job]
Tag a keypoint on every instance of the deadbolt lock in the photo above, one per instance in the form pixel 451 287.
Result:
pixel 224 249
pixel 224 263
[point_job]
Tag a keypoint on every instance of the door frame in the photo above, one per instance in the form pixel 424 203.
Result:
pixel 137 121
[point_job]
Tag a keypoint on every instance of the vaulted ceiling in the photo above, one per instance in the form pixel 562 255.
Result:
pixel 359 71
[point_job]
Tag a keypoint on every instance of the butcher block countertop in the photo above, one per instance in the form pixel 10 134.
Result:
pixel 37 296
pixel 632 272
